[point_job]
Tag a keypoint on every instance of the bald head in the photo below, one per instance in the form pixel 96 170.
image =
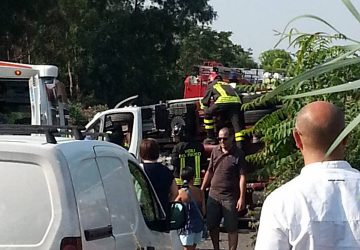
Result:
pixel 319 123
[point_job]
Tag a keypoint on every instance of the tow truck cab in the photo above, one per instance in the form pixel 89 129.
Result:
pixel 31 94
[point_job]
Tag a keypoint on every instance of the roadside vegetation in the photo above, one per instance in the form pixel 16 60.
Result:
pixel 320 70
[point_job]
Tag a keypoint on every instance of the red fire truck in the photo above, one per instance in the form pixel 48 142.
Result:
pixel 195 85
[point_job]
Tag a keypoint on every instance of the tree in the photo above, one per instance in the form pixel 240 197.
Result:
pixel 275 60
pixel 106 50
pixel 132 47
pixel 203 43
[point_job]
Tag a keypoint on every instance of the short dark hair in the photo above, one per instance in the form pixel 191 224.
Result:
pixel 187 173
pixel 149 149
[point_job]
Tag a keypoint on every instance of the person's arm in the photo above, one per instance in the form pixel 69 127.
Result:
pixel 207 97
pixel 208 175
pixel 175 159
pixel 203 205
pixel 203 159
pixel 242 164
pixel 207 179
pixel 272 233
pixel 173 191
pixel 241 202
pixel 179 198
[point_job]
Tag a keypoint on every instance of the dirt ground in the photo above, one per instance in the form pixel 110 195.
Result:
pixel 244 242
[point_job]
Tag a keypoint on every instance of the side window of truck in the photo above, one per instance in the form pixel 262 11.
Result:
pixel 95 128
pixel 147 200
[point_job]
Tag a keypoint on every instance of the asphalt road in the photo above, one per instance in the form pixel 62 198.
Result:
pixel 244 242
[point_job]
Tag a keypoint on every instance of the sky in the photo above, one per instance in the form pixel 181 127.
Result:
pixel 252 21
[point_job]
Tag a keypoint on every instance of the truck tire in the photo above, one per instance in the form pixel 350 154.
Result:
pixel 252 116
pixel 249 97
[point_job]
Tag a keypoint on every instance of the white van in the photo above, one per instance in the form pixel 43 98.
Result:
pixel 61 193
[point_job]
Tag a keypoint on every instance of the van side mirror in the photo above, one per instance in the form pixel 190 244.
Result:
pixel 178 215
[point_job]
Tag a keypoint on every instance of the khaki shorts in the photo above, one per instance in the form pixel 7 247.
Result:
pixel 223 208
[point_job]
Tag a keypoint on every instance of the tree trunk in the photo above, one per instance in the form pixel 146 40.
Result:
pixel 70 79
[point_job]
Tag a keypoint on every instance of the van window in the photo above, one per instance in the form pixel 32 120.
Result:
pixel 26 207
pixel 150 208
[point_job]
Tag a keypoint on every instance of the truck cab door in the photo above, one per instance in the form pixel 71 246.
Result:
pixel 40 106
pixel 130 120
pixel 35 100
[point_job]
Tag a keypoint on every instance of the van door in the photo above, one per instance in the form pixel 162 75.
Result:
pixel 94 216
pixel 150 210
pixel 127 215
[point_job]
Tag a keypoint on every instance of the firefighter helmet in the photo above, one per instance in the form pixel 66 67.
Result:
pixel 233 77
pixel 214 76
pixel 178 130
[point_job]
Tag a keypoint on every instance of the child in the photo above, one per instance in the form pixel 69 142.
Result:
pixel 194 200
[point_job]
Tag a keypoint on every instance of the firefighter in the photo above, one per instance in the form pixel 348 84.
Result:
pixel 187 152
pixel 221 98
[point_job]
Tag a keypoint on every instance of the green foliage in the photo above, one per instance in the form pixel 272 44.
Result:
pixel 203 43
pixel 275 60
pixel 80 116
pixel 105 49
pixel 312 70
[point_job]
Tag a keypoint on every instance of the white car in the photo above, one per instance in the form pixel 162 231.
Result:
pixel 62 193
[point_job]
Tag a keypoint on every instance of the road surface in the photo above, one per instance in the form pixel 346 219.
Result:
pixel 244 242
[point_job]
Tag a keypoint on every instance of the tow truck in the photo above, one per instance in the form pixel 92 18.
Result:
pixel 158 121
pixel 31 94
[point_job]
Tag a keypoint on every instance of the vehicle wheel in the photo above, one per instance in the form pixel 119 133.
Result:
pixel 252 116
pixel 249 97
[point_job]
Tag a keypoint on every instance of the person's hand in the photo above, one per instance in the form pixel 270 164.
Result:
pixel 240 205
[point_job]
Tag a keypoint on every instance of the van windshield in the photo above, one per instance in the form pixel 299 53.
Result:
pixel 15 101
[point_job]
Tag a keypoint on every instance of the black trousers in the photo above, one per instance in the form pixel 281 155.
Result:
pixel 229 112
pixel 226 112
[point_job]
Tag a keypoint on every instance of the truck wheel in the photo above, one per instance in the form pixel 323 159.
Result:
pixel 252 116
pixel 249 97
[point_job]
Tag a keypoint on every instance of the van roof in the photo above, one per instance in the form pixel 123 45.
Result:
pixel 63 143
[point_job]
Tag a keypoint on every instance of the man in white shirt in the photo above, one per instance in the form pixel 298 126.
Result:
pixel 320 208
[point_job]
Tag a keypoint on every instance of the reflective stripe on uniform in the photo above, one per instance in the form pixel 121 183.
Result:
pixel 209 126
pixel 241 133
pixel 208 121
pixel 227 99
pixel 239 136
pixel 219 89
pixel 179 182
pixel 197 180
pixel 239 139
pixel 224 97
pixel 202 106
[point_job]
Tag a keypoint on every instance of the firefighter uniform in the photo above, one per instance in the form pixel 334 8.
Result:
pixel 190 154
pixel 221 98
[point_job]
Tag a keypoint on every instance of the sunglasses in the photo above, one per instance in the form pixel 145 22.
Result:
pixel 223 138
